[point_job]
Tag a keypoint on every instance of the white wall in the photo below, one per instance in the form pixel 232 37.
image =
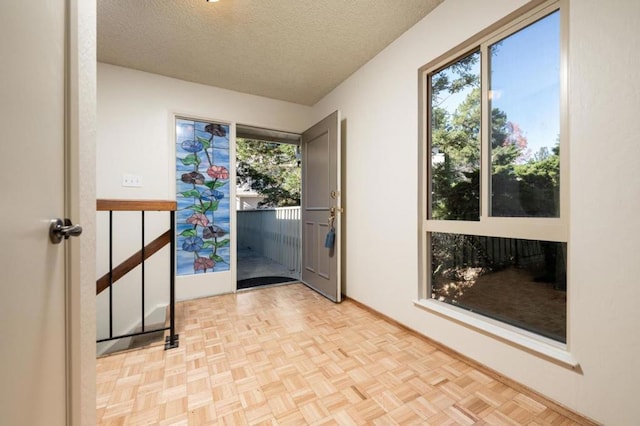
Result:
pixel 134 135
pixel 379 105
pixel 248 201
pixel 133 112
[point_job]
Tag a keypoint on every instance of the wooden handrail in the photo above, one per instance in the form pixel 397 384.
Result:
pixel 130 263
pixel 136 205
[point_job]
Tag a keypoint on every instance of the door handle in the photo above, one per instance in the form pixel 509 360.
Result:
pixel 60 229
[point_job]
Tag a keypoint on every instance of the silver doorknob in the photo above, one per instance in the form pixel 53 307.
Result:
pixel 60 229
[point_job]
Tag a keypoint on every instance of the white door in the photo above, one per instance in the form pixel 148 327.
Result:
pixel 320 202
pixel 32 281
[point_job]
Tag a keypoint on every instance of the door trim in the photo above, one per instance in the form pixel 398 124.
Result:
pixel 79 204
pixel 222 279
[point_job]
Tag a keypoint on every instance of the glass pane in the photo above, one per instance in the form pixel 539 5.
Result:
pixel 520 282
pixel 203 196
pixel 525 121
pixel 455 140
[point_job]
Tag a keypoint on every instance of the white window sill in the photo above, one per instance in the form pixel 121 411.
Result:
pixel 547 348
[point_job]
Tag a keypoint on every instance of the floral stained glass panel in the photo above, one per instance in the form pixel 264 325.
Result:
pixel 202 193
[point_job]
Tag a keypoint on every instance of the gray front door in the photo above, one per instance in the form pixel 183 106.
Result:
pixel 320 201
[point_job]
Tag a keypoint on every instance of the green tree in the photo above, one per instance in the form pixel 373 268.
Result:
pixel 456 179
pixel 455 138
pixel 521 184
pixel 270 169
pixel 539 183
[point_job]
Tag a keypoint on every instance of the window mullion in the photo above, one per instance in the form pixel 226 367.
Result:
pixel 564 116
pixel 485 159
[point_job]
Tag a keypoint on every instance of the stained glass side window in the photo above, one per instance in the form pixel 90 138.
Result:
pixel 202 193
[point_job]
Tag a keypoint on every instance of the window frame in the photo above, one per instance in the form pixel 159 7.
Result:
pixel 532 228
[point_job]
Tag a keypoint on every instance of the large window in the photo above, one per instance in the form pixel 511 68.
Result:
pixel 493 202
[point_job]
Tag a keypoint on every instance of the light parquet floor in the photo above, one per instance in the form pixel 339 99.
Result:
pixel 286 355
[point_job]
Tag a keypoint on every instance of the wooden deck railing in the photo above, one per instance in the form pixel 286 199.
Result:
pixel 138 258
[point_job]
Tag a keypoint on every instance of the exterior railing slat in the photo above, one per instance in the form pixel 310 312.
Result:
pixel 274 233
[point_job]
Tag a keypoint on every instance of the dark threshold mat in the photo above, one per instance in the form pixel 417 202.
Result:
pixel 260 281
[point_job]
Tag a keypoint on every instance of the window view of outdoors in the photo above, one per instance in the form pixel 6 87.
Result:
pixel 270 169
pixel 455 140
pixel 520 282
pixel 268 189
pixel 525 121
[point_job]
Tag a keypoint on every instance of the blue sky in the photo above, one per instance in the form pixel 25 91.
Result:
pixel 525 80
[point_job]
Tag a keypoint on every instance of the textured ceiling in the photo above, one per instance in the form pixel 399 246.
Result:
pixel 294 50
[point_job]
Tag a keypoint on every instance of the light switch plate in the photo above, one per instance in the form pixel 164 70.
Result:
pixel 132 181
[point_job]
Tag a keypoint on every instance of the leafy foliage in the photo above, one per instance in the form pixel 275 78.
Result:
pixel 270 169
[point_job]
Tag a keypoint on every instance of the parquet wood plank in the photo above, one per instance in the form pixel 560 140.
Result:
pixel 286 356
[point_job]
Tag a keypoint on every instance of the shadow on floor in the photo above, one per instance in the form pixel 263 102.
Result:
pixel 252 264
pixel 262 281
